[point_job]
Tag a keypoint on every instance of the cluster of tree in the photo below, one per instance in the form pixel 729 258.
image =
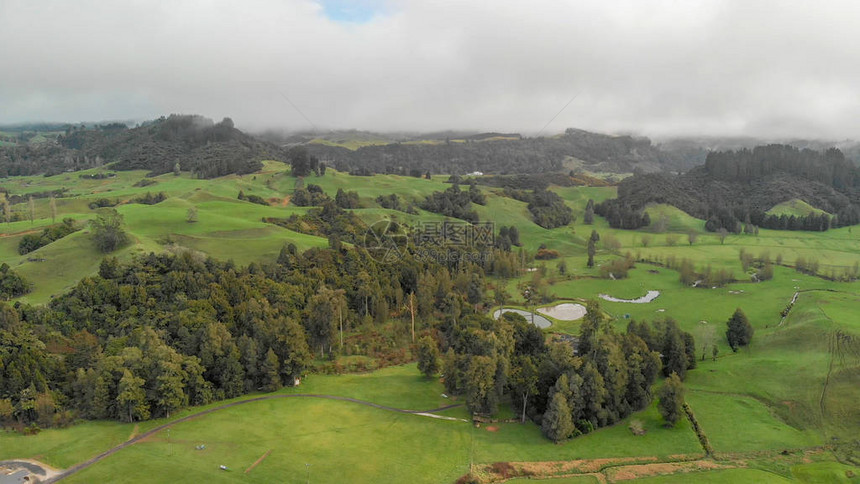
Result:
pixel 329 221
pixel 707 277
pixel 252 198
pixel 620 215
pixel 806 266
pixel 812 266
pixel 735 189
pixel 103 202
pixel 393 202
pixel 547 208
pixel 567 390
pixel 312 196
pixel 346 199
pixel 25 197
pixel 762 264
pixel 506 263
pixel 11 283
pixel 508 236
pixel 609 378
pixel 303 164
pixel 31 242
pixel 142 339
pixel 150 199
pixel 48 158
pixel 454 202
pixel 617 268
pixel 677 348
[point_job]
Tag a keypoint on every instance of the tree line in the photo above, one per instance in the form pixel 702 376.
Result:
pixel 31 242
pixel 506 156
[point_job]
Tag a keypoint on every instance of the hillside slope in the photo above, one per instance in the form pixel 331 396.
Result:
pixel 198 144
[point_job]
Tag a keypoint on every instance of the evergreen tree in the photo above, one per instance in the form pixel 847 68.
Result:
pixel 591 252
pixel 588 217
pixel 740 331
pixel 674 351
pixel 299 161
pixel 271 372
pixel 557 424
pixel 428 356
pixel 671 400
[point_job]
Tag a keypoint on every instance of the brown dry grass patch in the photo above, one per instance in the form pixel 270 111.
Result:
pixel 625 473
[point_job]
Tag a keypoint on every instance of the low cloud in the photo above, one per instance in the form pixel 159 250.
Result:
pixel 658 67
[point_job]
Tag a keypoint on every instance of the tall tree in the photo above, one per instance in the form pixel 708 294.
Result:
pixel 557 424
pixel 271 372
pixel 53 205
pixel 131 397
pixel 671 400
pixel 299 161
pixel 588 217
pixel 591 251
pixel 524 379
pixel 108 233
pixel 481 391
pixel 740 331
pixel 428 356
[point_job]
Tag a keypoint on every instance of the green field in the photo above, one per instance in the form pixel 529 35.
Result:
pixel 795 207
pixel 795 388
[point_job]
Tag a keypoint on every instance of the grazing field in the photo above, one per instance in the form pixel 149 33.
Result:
pixel 795 388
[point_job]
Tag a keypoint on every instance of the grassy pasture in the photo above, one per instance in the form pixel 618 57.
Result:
pixel 791 388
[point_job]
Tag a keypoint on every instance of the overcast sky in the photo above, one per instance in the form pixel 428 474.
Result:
pixel 652 67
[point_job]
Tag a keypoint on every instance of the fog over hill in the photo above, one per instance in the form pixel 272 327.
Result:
pixel 768 69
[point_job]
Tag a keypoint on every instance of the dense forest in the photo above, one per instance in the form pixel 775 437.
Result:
pixel 191 143
pixel 735 189
pixel 143 339
pixel 597 152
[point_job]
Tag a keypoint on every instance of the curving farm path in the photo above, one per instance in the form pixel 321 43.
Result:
pixel 83 465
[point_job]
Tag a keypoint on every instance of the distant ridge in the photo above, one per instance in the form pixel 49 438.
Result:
pixel 198 144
